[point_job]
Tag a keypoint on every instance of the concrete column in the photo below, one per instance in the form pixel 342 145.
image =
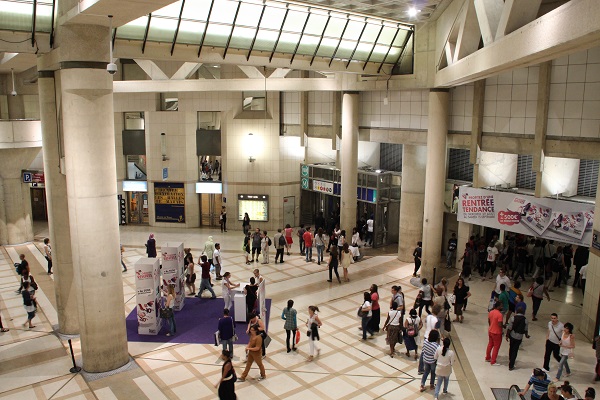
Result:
pixel 88 128
pixel 58 209
pixel 349 158
pixel 435 177
pixel 16 199
pixel 412 200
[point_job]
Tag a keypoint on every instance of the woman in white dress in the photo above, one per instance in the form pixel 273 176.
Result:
pixel 347 259
pixel 313 324
pixel 260 281
pixel 227 286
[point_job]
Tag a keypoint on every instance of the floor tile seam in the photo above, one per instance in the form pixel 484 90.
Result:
pixel 396 388
pixel 40 385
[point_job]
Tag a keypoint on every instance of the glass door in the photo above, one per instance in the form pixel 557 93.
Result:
pixel 137 207
pixel 210 209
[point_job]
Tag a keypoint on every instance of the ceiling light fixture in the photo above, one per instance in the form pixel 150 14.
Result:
pixel 14 91
pixel 412 12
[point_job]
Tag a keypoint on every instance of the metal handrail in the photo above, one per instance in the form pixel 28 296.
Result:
pixel 513 393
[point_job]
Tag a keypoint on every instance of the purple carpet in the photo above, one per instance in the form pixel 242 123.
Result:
pixel 196 323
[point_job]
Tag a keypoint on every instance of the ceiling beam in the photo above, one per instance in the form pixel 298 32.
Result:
pixel 95 12
pixel 488 14
pixel 186 70
pixel 544 39
pixel 152 70
pixel 517 13
pixel 251 72
pixel 280 73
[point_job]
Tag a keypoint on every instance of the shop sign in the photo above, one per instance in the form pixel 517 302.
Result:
pixel 565 221
pixel 323 187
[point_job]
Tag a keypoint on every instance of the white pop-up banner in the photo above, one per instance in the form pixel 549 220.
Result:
pixel 564 221
pixel 172 271
pixel 147 287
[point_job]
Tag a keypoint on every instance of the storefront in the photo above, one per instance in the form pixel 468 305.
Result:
pixel 137 202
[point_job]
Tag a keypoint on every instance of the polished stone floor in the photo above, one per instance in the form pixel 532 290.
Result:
pixel 34 364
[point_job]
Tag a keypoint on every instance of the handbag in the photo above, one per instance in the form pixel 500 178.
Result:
pixel 166 313
pixel 451 299
pixel 297 337
pixel 217 338
pixel 360 313
pixel 267 340
pixel 447 323
pixel 530 291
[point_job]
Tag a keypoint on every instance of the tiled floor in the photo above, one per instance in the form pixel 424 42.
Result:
pixel 35 363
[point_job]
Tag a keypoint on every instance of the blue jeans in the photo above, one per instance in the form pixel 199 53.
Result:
pixel 308 251
pixel 205 284
pixel 172 326
pixel 421 363
pixel 228 343
pixel 365 327
pixel 428 368
pixel 563 363
pixel 449 258
pixel 320 253
pixel 438 385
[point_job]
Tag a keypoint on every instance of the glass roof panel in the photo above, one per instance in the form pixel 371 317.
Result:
pixel 134 30
pixel 316 24
pixel 265 40
pixel 249 14
pixel 190 32
pixel 308 44
pixel 370 33
pixel 335 27
pixel 287 42
pixel 295 21
pixel 242 37
pixel 43 17
pixel 345 50
pixel 401 38
pixel 273 18
pixel 362 51
pixel 379 53
pixel 216 35
pixel 394 54
pixel 387 34
pixel 327 47
pixel 162 29
pixel 196 10
pixel 172 10
pixel 223 11
pixel 353 30
pixel 19 17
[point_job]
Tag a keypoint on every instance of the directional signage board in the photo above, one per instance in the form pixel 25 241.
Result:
pixel 304 170
pixel 304 183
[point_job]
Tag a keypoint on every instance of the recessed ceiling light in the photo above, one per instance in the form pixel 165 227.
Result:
pixel 412 12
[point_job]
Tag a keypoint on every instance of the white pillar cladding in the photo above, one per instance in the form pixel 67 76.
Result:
pixel 88 126
pixel 58 209
pixel 16 226
pixel 435 177
pixel 560 176
pixel 349 158
pixel 497 169
pixel 414 159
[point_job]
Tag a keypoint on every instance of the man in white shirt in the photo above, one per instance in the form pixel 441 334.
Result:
pixel 553 337
pixel 369 236
pixel 490 263
pixel 217 261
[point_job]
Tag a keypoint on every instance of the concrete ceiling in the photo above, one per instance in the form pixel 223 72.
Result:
pixel 18 61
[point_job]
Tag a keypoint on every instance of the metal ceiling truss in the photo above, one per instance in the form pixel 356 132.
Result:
pixel 339 42
pixel 146 33
pixel 373 48
pixel 301 34
pixel 388 50
pixel 237 11
pixel 178 25
pixel 357 43
pixel 320 39
pixel 262 13
pixel 212 3
pixel 287 11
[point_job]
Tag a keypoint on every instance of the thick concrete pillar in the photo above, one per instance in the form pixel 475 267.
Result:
pixel 16 225
pixel 58 209
pixel 349 156
pixel 412 200
pixel 435 177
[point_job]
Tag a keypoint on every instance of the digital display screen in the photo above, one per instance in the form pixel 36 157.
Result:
pixel 256 205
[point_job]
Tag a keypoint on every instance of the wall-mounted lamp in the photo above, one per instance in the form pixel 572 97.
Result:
pixel 250 146
pixel 163 146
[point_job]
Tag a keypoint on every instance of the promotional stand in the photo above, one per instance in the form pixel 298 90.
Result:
pixel 147 285
pixel 172 271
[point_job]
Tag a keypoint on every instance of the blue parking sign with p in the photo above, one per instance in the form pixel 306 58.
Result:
pixel 27 177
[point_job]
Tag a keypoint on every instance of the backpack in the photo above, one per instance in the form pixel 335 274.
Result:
pixel 269 241
pixel 411 331
pixel 282 241
pixel 438 324
pixel 519 324
pixel 20 268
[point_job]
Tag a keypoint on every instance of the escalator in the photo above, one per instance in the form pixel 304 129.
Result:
pixel 513 393
pixel 510 394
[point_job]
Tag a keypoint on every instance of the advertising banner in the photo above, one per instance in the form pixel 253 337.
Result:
pixel 172 271
pixel 169 202
pixel 563 221
pixel 323 187
pixel 147 285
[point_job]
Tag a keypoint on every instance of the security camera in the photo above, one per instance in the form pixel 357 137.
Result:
pixel 111 68
pixel 13 93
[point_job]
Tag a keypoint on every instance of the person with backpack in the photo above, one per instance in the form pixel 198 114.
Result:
pixel 412 326
pixel 29 304
pixel 279 240
pixel 21 268
pixel 515 330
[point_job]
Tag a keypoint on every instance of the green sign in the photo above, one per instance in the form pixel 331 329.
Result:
pixel 305 172
pixel 304 183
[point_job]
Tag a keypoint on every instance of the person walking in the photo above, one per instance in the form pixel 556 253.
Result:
pixel 461 294
pixel 333 264
pixel 536 291
pixel 29 303
pixel 313 324
pixel 255 320
pixel 320 244
pixel 515 330
pixel 265 243
pixel 430 346
pixel 226 330
pixel 254 355
pixel 246 247
pixel 492 254
pixel 370 230
pixel 417 256
pixel 553 338
pixel 246 223
pixel 226 289
pixel 495 323
pixel 122 262
pixel 209 249
pixel 392 326
pixel 538 382
pixel 217 261
pixel 279 242
pixel 567 346
pixel 226 387
pixel 205 277
pixel 48 256
pixel 581 257
pixel 288 238
pixel 445 358
pixel 467 258
pixel 190 274
pixel 300 234
pixel 291 325
pixel 451 251
pixel 151 246
pixel 256 242
pixel 412 326
pixel 366 315
pixel 426 298
pixel 262 293
pixel 308 239
pixel 347 259
pixel 375 309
